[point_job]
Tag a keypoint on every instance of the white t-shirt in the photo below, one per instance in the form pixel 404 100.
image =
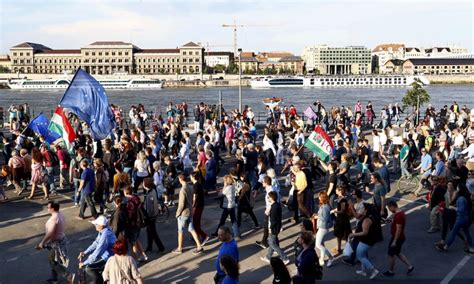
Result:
pixel 458 140
pixel 376 147
pixel 142 168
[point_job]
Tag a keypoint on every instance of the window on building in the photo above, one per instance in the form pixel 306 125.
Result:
pixel 87 53
pixel 184 60
pixel 197 60
pixel 106 54
pixel 120 60
pixel 126 60
pixel 14 53
pixel 93 53
pixel 100 53
pixel 100 61
pixel 126 52
pixel 190 60
pixel 184 53
pixel 21 53
pixel 113 53
pixel 120 53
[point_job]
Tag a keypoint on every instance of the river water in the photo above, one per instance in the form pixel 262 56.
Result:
pixel 46 100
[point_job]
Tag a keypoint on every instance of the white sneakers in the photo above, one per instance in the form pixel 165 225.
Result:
pixel 329 263
pixel 374 273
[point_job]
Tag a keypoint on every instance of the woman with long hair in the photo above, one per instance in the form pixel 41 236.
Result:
pixel 245 204
pixel 228 205
pixel 342 226
pixel 366 236
pixel 37 176
pixel 324 223
pixel 142 170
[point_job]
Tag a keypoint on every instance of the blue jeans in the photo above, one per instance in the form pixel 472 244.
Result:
pixel 460 224
pixel 252 179
pixel 361 254
pixel 50 171
pixel 87 198
pixel 274 246
pixel 404 168
pixel 77 197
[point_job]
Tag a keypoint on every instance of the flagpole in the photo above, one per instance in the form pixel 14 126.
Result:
pixel 286 166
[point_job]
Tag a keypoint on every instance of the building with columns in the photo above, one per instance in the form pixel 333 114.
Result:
pixel 326 60
pixel 107 57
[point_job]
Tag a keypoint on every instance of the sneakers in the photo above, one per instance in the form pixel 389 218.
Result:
pixel 143 258
pixel 264 258
pixel 361 272
pixel 262 245
pixel 375 272
pixel 388 274
pixel 441 248
pixel 410 270
pixel 329 263
pixel 286 261
pixel 432 230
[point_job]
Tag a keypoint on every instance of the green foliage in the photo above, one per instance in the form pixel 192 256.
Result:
pixel 412 95
pixel 4 69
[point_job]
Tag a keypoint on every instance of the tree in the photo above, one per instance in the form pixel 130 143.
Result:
pixel 4 69
pixel 416 97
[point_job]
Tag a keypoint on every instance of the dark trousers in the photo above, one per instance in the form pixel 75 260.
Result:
pixel 94 272
pixel 152 235
pixel 87 198
pixel 294 204
pixel 197 214
pixel 302 205
pixel 249 211
pixel 226 212
pixel 265 231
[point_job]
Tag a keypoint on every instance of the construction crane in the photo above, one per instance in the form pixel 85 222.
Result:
pixel 235 26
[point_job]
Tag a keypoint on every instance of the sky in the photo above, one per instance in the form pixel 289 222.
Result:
pixel 270 25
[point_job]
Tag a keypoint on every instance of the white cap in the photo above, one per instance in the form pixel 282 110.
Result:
pixel 295 159
pixel 101 221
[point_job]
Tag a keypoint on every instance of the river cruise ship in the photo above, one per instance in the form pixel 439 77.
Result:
pixel 337 81
pixel 140 83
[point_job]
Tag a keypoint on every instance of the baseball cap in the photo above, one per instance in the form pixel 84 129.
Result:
pixel 101 221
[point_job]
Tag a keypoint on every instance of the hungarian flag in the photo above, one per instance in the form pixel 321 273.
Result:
pixel 60 124
pixel 320 144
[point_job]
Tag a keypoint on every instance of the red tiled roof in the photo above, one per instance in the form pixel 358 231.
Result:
pixel 394 46
pixel 4 59
pixel 62 51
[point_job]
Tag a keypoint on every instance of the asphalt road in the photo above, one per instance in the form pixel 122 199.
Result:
pixel 22 227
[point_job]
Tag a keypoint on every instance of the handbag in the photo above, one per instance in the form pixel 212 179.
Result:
pixel 347 252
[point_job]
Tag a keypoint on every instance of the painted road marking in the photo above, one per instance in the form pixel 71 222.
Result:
pixel 455 270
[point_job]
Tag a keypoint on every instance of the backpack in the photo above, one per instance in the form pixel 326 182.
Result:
pixel 137 214
pixel 54 158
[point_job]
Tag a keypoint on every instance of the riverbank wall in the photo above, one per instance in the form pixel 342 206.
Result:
pixel 451 79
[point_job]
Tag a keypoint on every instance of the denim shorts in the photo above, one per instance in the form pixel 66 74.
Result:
pixel 185 222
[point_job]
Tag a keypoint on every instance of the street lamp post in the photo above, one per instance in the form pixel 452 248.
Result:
pixel 240 80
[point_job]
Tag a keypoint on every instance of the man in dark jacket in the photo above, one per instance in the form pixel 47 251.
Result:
pixel 274 228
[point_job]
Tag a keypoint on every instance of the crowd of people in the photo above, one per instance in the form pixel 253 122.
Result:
pixel 149 162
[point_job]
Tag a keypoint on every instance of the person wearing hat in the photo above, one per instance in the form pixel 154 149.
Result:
pixel 99 251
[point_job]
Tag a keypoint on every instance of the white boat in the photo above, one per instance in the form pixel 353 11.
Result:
pixel 337 81
pixel 140 83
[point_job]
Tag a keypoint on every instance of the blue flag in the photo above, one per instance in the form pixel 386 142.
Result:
pixel 39 125
pixel 86 98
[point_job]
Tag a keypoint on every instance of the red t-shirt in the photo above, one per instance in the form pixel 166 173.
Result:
pixel 399 218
